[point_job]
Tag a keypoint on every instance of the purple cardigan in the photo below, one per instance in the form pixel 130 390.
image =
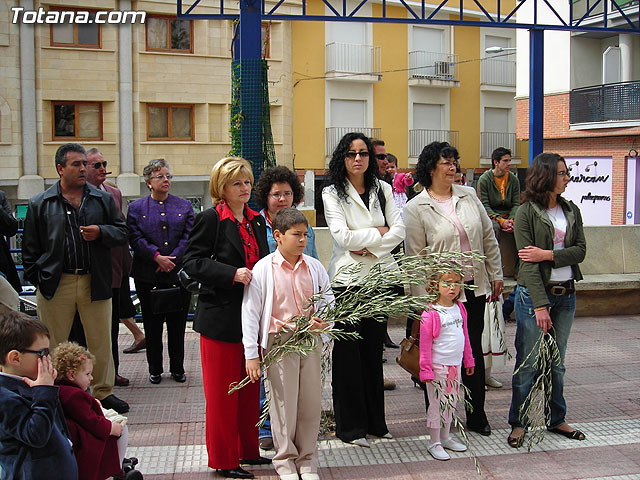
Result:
pixel 158 226
pixel 430 329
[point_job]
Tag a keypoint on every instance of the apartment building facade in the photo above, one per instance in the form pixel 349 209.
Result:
pixel 158 89
pixel 591 108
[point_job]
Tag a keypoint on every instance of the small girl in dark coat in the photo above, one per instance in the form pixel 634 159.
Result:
pixel 98 443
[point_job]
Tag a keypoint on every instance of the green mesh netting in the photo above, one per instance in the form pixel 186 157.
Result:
pixel 256 146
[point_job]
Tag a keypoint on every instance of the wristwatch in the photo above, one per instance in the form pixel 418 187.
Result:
pixel 364 252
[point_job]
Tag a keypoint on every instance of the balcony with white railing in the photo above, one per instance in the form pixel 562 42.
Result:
pixel 499 73
pixel 433 69
pixel 334 134
pixel 489 141
pixel 419 138
pixel 347 61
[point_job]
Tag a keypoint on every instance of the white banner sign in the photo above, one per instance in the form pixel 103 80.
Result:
pixel 591 188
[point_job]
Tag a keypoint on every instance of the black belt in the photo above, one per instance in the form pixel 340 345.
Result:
pixel 77 271
pixel 563 288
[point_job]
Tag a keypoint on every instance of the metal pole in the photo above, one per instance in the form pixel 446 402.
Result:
pixel 536 92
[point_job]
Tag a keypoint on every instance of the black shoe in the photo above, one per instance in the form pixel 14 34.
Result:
pixel 237 472
pixel 256 461
pixel 155 379
pixel 179 377
pixel 484 431
pixel 390 344
pixel 129 464
pixel 384 360
pixel 134 475
pixel 113 402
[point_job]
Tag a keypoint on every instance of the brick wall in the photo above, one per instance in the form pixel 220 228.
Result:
pixel 606 142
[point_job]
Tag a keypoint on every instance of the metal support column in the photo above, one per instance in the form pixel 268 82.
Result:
pixel 536 92
pixel 251 83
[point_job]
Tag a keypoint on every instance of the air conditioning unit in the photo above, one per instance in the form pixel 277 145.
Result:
pixel 443 70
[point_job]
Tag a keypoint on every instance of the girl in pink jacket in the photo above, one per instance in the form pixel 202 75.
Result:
pixel 444 346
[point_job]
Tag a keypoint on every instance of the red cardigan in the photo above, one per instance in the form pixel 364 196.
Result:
pixel 430 329
pixel 95 449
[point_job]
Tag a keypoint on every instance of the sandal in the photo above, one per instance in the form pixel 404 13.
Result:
pixel 573 435
pixel 515 442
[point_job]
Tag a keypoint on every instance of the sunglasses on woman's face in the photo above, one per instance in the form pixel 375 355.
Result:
pixel 40 353
pixel 352 155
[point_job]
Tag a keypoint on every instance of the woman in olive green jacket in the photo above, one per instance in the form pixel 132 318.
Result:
pixel 550 240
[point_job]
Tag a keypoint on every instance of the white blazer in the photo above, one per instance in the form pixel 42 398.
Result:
pixel 353 227
pixel 257 301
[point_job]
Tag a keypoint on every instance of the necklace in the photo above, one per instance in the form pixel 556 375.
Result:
pixel 439 199
pixel 555 211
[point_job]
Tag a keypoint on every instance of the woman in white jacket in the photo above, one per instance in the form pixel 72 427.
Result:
pixel 450 218
pixel 365 225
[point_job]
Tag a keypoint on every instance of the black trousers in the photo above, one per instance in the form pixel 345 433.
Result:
pixel 153 327
pixel 357 382
pixel 475 383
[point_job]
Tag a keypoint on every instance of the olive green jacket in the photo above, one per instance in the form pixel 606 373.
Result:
pixel 532 226
pixel 498 209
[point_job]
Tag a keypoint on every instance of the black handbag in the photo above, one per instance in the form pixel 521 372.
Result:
pixel 189 283
pixel 165 300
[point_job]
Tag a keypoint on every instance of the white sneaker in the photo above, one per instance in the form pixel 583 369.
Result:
pixel 387 436
pixel 492 382
pixel 438 452
pixel 361 442
pixel 310 476
pixel 453 445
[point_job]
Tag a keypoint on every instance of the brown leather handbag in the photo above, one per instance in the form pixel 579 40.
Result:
pixel 409 357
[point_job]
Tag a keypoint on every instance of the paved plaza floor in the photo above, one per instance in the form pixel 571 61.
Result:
pixel 602 390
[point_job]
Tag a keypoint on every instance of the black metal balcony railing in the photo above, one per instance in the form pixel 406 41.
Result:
pixel 420 137
pixel 602 103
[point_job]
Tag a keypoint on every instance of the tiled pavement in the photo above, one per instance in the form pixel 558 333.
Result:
pixel 602 390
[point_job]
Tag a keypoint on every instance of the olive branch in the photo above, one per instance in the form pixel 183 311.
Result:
pixel 448 401
pixel 371 297
pixel 534 412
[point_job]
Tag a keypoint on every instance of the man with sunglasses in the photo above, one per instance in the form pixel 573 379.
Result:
pixel 381 158
pixel 120 264
pixel 69 231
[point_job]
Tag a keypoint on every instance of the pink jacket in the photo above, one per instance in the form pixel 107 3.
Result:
pixel 430 329
pixel 401 181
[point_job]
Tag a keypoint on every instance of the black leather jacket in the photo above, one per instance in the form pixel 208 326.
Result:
pixel 43 239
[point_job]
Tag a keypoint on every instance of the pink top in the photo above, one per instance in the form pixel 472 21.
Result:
pixel 430 329
pixel 465 245
pixel 292 287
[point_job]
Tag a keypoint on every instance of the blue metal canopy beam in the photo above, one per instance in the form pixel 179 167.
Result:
pixel 615 18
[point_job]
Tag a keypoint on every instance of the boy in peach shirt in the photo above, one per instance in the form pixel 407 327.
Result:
pixel 280 289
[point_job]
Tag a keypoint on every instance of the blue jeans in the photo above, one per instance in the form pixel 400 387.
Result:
pixel 562 310
pixel 265 429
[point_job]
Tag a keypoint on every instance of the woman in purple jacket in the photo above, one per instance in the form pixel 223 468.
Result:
pixel 160 224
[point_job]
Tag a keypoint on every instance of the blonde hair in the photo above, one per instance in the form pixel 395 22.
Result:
pixel 69 357
pixel 434 282
pixel 225 171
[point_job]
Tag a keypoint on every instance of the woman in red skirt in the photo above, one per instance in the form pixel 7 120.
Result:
pixel 224 244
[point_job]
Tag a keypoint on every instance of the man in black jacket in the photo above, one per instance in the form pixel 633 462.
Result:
pixel 69 231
